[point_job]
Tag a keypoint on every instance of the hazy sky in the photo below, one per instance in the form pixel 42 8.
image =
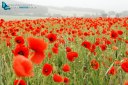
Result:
pixel 116 5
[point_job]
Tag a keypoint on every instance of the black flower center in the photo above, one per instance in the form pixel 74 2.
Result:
pixel 46 70
pixel 51 39
pixel 21 52
pixel 18 41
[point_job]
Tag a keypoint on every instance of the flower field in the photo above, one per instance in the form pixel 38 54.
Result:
pixel 64 51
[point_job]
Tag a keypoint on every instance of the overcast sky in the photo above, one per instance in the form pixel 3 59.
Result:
pixel 107 5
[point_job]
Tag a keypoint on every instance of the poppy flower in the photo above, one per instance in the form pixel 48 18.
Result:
pixel 19 82
pixel 120 32
pixel 92 49
pixel 108 42
pixel 112 71
pixel 103 47
pixel 97 42
pixel 21 50
pixel 86 44
pixel 47 69
pixel 55 50
pixel 52 37
pixel 38 45
pixel 124 66
pixel 56 45
pixel 66 80
pixel 22 66
pixel 94 64
pixel 114 34
pixel 66 68
pixel 86 34
pixel 71 56
pixel 68 49
pixel 37 57
pixel 57 78
pixel 19 40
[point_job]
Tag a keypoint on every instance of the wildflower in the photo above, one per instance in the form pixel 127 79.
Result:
pixel 66 80
pixel 38 45
pixel 103 47
pixel 47 69
pixel 19 40
pixel 66 68
pixel 57 78
pixel 112 71
pixel 21 50
pixel 114 34
pixel 68 49
pixel 71 56
pixel 94 64
pixel 22 66
pixel 86 44
pixel 52 37
pixel 19 82
pixel 55 50
pixel 120 32
pixel 37 57
pixel 124 66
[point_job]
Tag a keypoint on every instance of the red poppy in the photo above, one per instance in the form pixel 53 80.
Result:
pixel 93 47
pixel 120 32
pixel 19 40
pixel 55 50
pixel 57 78
pixel 52 37
pixel 124 66
pixel 71 56
pixel 86 44
pixel 94 64
pixel 107 42
pixel 114 34
pixel 37 57
pixel 68 49
pixel 103 47
pixel 86 34
pixel 38 45
pixel 21 50
pixel 19 82
pixel 66 68
pixel 22 66
pixel 66 80
pixel 56 45
pixel 47 69
pixel 97 42
pixel 112 71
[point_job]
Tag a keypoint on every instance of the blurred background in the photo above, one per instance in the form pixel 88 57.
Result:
pixel 65 8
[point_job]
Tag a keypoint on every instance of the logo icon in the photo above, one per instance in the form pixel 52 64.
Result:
pixel 5 6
